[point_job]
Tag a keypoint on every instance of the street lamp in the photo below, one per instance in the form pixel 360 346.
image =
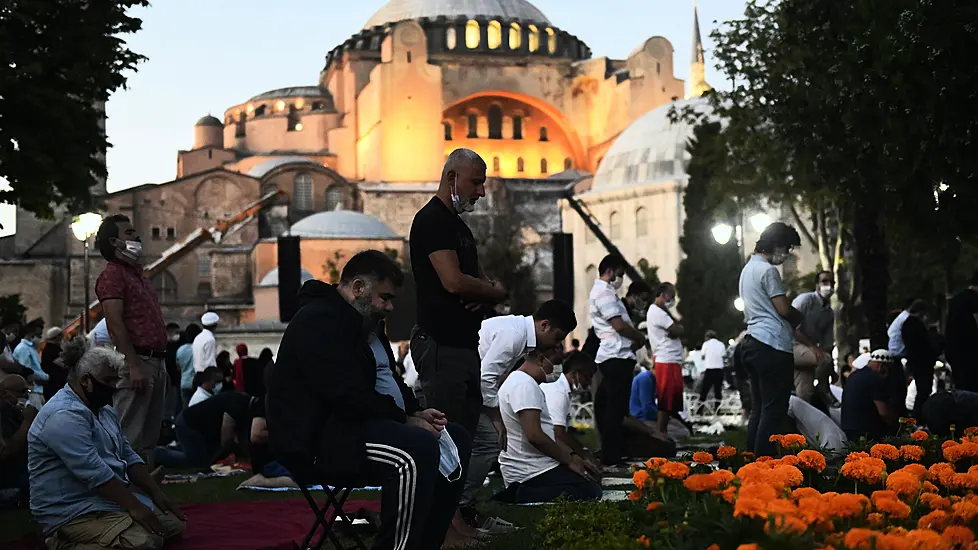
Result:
pixel 722 233
pixel 83 227
pixel 760 222
pixel 739 304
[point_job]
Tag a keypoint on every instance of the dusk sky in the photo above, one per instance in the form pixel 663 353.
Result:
pixel 207 55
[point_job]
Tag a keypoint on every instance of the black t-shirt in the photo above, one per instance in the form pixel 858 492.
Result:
pixel 207 416
pixel 962 332
pixel 859 414
pixel 10 420
pixel 441 314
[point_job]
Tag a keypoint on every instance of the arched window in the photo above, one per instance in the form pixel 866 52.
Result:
pixel 517 127
pixel 551 41
pixel 451 40
pixel 302 193
pixel 448 130
pixel 473 126
pixel 473 34
pixel 534 38
pixel 568 164
pixel 165 286
pixel 515 36
pixel 590 274
pixel 543 166
pixel 495 165
pixel 520 166
pixel 495 122
pixel 543 134
pixel 614 226
pixel 641 222
pixel 494 35
pixel 335 197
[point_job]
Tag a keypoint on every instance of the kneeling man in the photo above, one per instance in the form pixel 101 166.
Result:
pixel 338 414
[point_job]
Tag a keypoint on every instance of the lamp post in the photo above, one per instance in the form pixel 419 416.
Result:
pixel 723 231
pixel 83 227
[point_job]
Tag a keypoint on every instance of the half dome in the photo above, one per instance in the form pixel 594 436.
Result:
pixel 209 121
pixel 402 10
pixel 342 224
pixel 271 278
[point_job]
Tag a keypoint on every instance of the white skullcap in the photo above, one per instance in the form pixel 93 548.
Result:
pixel 882 356
pixel 209 318
pixel 862 361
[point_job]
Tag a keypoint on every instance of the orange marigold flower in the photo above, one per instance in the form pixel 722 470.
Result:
pixel 811 460
pixel 910 421
pixel 635 495
pixel 747 455
pixel 970 431
pixel 941 472
pixel 856 456
pixel 750 546
pixel 653 506
pixel 786 476
pixel 892 507
pixel 726 451
pixel 729 494
pixel 919 435
pixel 644 541
pixel 911 452
pixel 785 524
pixel 655 463
pixel 848 505
pixel 699 483
pixel 884 451
pixel 948 443
pixel 930 487
pixel 723 477
pixel 713 547
pixel 934 501
pixel 702 458
pixel 861 538
pixel 918 470
pixel 937 520
pixel 805 492
pixel 674 470
pixel 788 460
pixel 776 438
pixel 640 478
pixel 904 484
pixel 965 511
pixel 867 470
pixel 792 440
pixel 926 539
pixel 958 535
pixel 875 519
pixel 763 459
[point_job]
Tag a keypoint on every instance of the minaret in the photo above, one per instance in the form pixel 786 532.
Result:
pixel 697 68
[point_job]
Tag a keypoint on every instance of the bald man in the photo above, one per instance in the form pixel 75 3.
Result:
pixel 16 417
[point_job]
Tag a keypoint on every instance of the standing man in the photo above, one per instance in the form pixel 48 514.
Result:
pixel 618 340
pixel 768 347
pixel 205 346
pixel 452 292
pixel 961 336
pixel 921 352
pixel 667 348
pixel 136 327
pixel 713 355
pixel 27 355
pixel 814 341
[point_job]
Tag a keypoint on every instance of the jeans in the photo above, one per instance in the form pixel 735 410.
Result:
pixel 485 452
pixel 611 407
pixel 771 375
pixel 192 453
pixel 555 483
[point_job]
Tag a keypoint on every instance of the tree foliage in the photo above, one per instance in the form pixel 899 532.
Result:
pixel 708 276
pixel 59 61
pixel 863 110
pixel 12 310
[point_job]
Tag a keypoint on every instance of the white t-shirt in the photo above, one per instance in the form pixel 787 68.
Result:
pixel 200 395
pixel 664 348
pixel 558 395
pixel 521 460
pixel 603 306
pixel 713 352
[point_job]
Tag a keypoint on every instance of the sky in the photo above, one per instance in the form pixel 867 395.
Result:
pixel 207 55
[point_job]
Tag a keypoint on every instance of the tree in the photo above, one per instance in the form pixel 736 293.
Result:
pixel 60 61
pixel 708 275
pixel 862 111
pixel 650 273
pixel 12 310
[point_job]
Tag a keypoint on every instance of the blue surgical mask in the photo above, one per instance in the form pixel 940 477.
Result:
pixel 449 462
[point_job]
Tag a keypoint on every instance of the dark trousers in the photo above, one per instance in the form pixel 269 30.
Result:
pixel 772 377
pixel 923 376
pixel 712 378
pixel 964 369
pixel 450 378
pixel 611 407
pixel 558 482
pixel 194 452
pixel 417 501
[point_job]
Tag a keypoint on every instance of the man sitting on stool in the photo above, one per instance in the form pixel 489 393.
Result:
pixel 337 414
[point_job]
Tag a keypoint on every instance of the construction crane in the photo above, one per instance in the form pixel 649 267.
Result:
pixel 221 230
pixel 593 226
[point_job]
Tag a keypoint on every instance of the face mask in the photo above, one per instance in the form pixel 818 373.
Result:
pixel 449 462
pixel 457 202
pixel 617 282
pixel 826 291
pixel 36 341
pixel 100 395
pixel 554 375
pixel 134 248
pixel 671 303
pixel 11 337
pixel 217 387
pixel 778 258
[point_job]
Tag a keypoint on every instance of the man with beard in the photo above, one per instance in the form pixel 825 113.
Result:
pixel 338 414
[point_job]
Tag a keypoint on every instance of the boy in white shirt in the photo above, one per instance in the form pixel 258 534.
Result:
pixel 578 369
pixel 208 384
pixel 535 467
pixel 664 333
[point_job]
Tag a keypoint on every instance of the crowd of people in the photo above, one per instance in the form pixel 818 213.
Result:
pixel 87 423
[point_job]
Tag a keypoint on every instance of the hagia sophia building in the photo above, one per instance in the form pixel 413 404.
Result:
pixel 358 152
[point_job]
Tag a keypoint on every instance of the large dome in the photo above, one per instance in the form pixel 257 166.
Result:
pixel 271 278
pixel 652 148
pixel 342 224
pixel 403 10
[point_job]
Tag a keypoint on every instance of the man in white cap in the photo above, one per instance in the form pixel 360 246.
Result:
pixel 205 346
pixel 866 409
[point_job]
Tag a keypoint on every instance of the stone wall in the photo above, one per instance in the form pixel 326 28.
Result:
pixel 230 270
pixel 41 286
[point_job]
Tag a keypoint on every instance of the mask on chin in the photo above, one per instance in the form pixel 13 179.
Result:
pixel 554 375
pixel 458 204
pixel 826 291
pixel 132 249
pixel 617 282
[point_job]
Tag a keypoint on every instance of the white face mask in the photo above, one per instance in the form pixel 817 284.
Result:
pixel 134 248
pixel 457 202
pixel 671 303
pixel 449 462
pixel 826 291
pixel 778 257
pixel 553 376
pixel 617 282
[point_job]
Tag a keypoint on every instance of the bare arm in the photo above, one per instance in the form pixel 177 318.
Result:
pixel 787 312
pixel 446 265
pixel 140 477
pixel 675 330
pixel 259 431
pixel 566 438
pixel 118 493
pixel 530 422
pixel 627 330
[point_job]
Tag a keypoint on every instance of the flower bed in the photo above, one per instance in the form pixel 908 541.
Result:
pixel 914 492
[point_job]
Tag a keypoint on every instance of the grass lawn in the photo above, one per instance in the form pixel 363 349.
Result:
pixel 14 524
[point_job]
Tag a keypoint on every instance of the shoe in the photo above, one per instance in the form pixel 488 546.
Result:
pixel 497 526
